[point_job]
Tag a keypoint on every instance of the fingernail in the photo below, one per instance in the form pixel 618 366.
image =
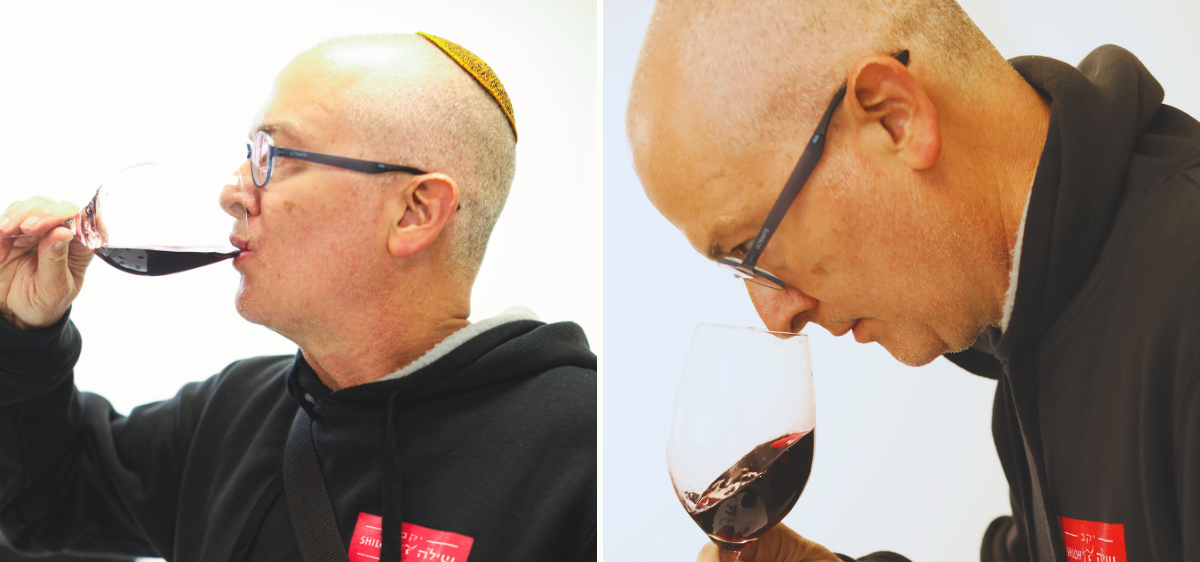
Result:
pixel 4 223
pixel 29 222
pixel 60 245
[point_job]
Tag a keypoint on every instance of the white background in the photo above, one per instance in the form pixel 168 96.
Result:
pixel 92 87
pixel 904 459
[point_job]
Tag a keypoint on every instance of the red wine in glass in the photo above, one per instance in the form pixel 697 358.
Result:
pixel 152 262
pixel 755 493
pixel 140 200
pixel 741 444
pixel 139 261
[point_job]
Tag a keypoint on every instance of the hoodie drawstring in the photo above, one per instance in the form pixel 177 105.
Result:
pixel 392 485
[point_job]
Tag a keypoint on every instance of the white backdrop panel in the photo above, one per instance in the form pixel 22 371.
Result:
pixel 94 87
pixel 904 459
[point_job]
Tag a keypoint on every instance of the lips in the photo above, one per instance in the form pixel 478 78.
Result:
pixel 839 331
pixel 859 335
pixel 244 251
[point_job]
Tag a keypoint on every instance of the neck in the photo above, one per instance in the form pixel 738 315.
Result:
pixel 1015 163
pixel 993 143
pixel 360 350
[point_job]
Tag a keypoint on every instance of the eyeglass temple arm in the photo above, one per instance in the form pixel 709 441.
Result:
pixel 364 166
pixel 808 162
pixel 804 168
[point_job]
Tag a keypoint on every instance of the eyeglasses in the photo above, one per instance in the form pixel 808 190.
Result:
pixel 262 153
pixel 747 267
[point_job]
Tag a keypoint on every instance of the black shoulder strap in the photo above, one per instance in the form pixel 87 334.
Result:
pixel 308 501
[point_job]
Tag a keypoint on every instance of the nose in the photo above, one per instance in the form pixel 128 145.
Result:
pixel 782 310
pixel 240 198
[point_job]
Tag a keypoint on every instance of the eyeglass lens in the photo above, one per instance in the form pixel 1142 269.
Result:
pixel 260 158
pixel 742 274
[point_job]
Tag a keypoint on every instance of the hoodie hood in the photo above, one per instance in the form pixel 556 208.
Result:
pixel 508 346
pixel 1099 112
pixel 1080 180
pixel 473 365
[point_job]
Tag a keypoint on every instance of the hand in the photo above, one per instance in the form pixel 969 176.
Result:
pixel 780 544
pixel 40 275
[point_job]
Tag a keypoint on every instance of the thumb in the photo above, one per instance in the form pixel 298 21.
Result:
pixel 53 275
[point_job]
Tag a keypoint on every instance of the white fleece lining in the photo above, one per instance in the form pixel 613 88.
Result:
pixel 462 336
pixel 1010 297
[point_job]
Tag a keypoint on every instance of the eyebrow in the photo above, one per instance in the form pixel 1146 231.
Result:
pixel 273 129
pixel 718 232
pixel 715 252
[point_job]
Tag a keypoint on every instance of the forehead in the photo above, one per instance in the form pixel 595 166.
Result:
pixel 307 108
pixel 714 181
pixel 714 208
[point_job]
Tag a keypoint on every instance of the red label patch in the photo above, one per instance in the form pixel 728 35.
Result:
pixel 1091 541
pixel 417 543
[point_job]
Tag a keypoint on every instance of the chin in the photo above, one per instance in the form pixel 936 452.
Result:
pixel 247 306
pixel 916 353
pixel 257 307
pixel 915 358
pixel 917 345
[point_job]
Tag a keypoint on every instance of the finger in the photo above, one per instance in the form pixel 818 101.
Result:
pixel 78 259
pixel 17 213
pixel 709 553
pixel 48 216
pixel 53 277
pixel 12 248
pixel 781 544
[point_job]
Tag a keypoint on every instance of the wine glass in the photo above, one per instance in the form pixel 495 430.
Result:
pixel 158 218
pixel 741 443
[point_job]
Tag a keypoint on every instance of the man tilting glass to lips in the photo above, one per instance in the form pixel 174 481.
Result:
pixel 1032 220
pixel 373 179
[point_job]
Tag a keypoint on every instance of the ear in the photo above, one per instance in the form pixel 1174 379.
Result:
pixel 892 113
pixel 424 207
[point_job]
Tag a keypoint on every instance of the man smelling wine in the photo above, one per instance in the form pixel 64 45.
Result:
pixel 407 430
pixel 1033 221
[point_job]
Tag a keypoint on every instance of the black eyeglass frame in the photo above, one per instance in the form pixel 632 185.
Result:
pixel 364 166
pixel 747 267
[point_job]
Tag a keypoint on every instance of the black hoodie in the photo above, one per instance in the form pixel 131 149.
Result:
pixel 1097 411
pixel 490 449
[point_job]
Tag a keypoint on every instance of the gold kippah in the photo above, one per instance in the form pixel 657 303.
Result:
pixel 480 71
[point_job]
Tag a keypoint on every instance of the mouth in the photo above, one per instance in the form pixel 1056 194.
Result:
pixel 844 329
pixel 859 330
pixel 243 247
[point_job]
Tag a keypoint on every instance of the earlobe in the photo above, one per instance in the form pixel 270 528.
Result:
pixel 893 111
pixel 423 209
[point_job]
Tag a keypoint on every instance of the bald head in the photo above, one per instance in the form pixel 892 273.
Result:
pixel 413 105
pixel 724 77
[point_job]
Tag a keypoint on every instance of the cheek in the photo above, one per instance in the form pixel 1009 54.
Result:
pixel 856 237
pixel 824 240
pixel 291 218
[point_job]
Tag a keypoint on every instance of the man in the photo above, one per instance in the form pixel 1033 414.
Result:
pixel 1034 221
pixel 434 438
